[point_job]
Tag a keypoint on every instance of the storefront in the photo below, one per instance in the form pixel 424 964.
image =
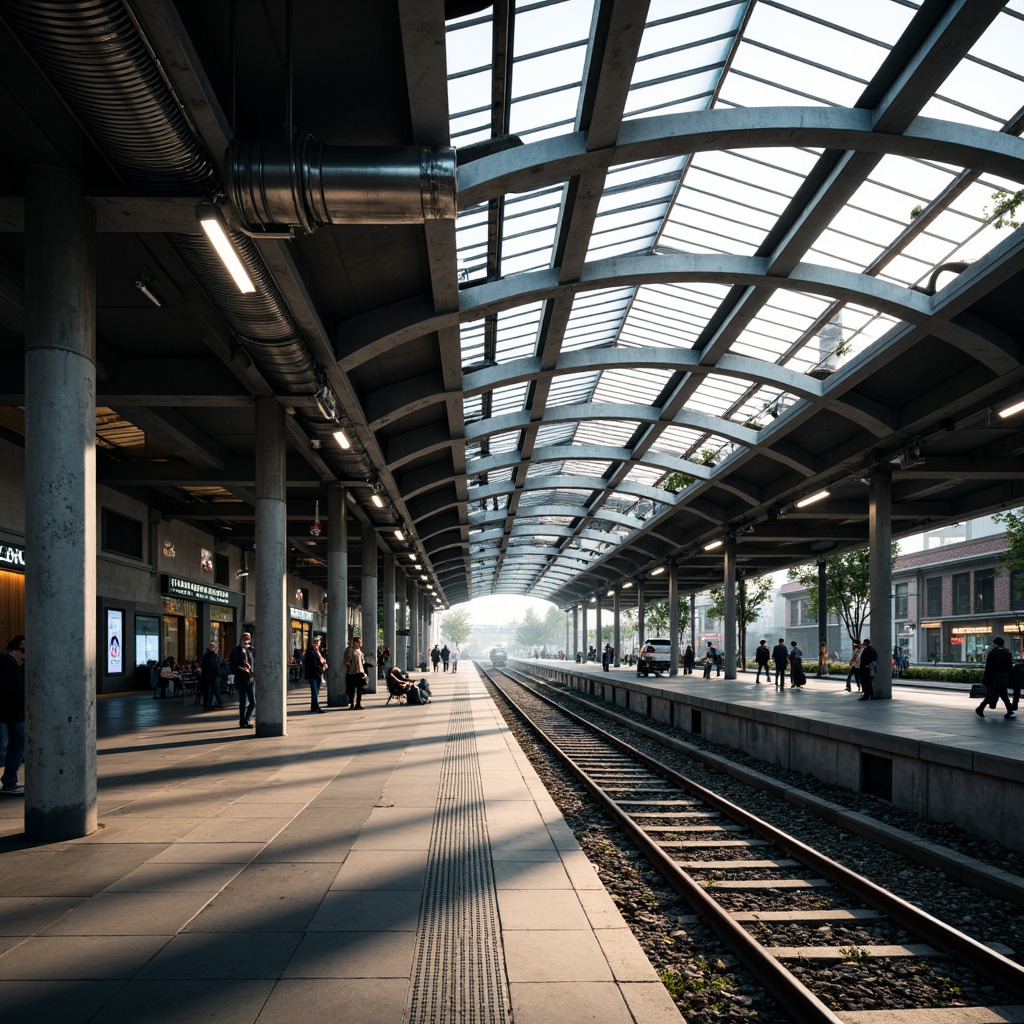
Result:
pixel 301 628
pixel 193 614
pixel 12 590
pixel 970 644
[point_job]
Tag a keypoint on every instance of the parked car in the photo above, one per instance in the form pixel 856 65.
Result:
pixel 499 657
pixel 655 656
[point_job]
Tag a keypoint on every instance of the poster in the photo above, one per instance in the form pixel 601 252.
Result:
pixel 115 633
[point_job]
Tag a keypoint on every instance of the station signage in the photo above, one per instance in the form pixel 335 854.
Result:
pixel 931 625
pixel 12 556
pixel 972 629
pixel 301 614
pixel 196 591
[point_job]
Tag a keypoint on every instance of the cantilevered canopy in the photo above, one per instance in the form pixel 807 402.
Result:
pixel 708 259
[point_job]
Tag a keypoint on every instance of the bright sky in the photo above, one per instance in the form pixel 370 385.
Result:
pixel 500 610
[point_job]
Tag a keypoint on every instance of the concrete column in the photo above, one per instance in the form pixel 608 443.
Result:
pixel 337 594
pixel 368 609
pixel 822 613
pixel 60 508
pixel 585 645
pixel 616 630
pixel 414 625
pixel 730 635
pixel 880 589
pixel 598 641
pixel 389 608
pixel 271 640
pixel 401 648
pixel 575 647
pixel 641 613
pixel 693 620
pixel 673 617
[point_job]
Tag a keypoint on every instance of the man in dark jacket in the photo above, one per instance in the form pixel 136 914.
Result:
pixel 780 655
pixel 241 667
pixel 761 657
pixel 867 668
pixel 12 713
pixel 998 666
pixel 209 670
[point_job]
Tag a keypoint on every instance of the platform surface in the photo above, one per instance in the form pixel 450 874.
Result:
pixel 382 865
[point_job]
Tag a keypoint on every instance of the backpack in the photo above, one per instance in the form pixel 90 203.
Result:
pixel 414 695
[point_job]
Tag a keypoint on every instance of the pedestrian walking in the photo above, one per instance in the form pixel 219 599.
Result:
pixel 241 664
pixel 455 657
pixel 998 666
pixel 781 658
pixel 12 713
pixel 314 665
pixel 355 673
pixel 209 670
pixel 688 660
pixel 796 666
pixel 867 668
pixel 854 674
pixel 762 656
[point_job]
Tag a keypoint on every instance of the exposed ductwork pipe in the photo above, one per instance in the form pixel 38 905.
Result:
pixel 276 187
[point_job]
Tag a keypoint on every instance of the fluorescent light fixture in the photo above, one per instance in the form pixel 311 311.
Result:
pixel 377 501
pixel 812 499
pixel 611 593
pixel 714 544
pixel 1012 410
pixel 211 220
pixel 339 436
pixel 423 576
pixel 412 556
pixel 627 585
pixel 143 287
pixel 399 535
pixel 593 599
pixel 658 571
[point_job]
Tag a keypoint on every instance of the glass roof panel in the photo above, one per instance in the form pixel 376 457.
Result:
pixel 670 314
pixel 595 318
pixel 613 432
pixel 554 433
pixel 511 398
pixel 678 440
pixel 516 334
pixel 640 386
pixel 469 79
pixel 571 389
pixel 506 442
pixel 528 230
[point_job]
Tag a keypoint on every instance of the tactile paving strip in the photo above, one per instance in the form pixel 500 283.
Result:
pixel 459 966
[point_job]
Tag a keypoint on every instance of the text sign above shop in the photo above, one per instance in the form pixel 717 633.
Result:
pixel 196 591
pixel 301 615
pixel 12 555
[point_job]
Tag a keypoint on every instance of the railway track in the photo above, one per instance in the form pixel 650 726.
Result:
pixel 783 907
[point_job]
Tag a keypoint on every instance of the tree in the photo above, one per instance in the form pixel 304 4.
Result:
pixel 530 632
pixel 656 617
pixel 554 628
pixel 678 481
pixel 847 587
pixel 456 626
pixel 1005 209
pixel 751 594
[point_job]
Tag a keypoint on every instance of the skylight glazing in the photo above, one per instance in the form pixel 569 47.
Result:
pixel 670 315
pixel 571 389
pixel 596 317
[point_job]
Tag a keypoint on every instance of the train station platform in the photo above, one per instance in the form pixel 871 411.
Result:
pixel 925 749
pixel 374 867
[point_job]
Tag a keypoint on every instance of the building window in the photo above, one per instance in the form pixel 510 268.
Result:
pixel 121 535
pixel 933 596
pixel 962 593
pixel 221 565
pixel 985 590
pixel 902 600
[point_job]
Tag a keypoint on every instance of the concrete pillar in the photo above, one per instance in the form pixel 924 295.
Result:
pixel 574 649
pixel 598 640
pixel 389 608
pixel 693 621
pixel 880 569
pixel 337 594
pixel 822 615
pixel 270 643
pixel 414 625
pixel 616 629
pixel 585 645
pixel 673 616
pixel 60 508
pixel 641 613
pixel 368 609
pixel 730 635
pixel 401 648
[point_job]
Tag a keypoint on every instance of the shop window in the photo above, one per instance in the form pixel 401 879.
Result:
pixel 902 600
pixel 221 567
pixel 121 535
pixel 985 590
pixel 962 593
pixel 933 597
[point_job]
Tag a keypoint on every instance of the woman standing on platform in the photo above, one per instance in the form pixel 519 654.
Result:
pixel 688 659
pixel 796 665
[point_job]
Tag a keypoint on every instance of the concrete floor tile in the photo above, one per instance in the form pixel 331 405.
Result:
pixel 540 909
pixel 170 1002
pixel 178 877
pixel 207 853
pixel 353 955
pixel 222 955
pixel 650 1002
pixel 348 1001
pixel 25 915
pixel 128 828
pixel 554 956
pixel 131 913
pixel 600 909
pixel 367 910
pixel 85 958
pixel 624 955
pixel 581 870
pixel 70 1002
pixel 238 830
pixel 594 1003
pixel 526 874
pixel 365 869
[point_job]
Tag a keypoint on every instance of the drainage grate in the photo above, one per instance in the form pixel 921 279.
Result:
pixel 459 970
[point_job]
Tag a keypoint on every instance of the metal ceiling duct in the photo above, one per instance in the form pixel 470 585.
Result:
pixel 275 187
